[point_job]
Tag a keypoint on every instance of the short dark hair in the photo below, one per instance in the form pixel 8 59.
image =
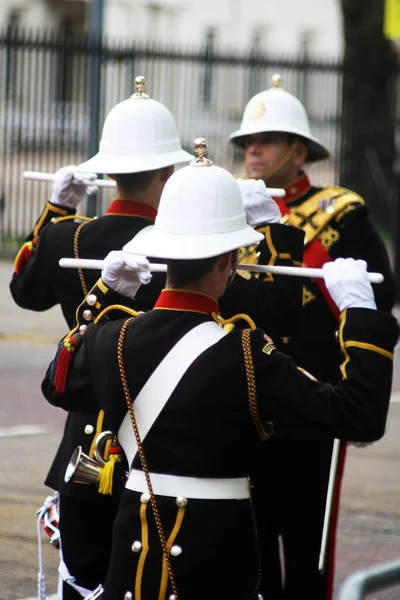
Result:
pixel 184 272
pixel 133 182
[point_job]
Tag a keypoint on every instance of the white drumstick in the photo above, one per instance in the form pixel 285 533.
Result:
pixel 82 263
pixel 38 176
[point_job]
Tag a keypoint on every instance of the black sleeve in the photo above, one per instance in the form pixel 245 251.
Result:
pixel 299 406
pixel 70 381
pixel 31 286
pixel 360 240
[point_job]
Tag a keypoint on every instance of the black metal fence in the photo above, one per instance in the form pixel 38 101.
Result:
pixel 47 120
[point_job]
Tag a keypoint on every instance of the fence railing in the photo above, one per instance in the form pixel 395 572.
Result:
pixel 46 102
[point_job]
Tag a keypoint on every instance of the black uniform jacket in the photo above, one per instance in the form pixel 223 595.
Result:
pixel 345 232
pixel 39 283
pixel 207 428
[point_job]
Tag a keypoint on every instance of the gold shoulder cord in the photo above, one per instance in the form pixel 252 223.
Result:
pixel 142 456
pixel 76 255
pixel 263 433
pixel 76 243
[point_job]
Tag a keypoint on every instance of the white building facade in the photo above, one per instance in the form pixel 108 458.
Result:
pixel 287 27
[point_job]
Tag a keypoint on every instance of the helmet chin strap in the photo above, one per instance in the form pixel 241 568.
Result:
pixel 277 166
pixel 235 262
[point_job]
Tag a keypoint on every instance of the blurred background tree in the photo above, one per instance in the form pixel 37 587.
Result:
pixel 369 109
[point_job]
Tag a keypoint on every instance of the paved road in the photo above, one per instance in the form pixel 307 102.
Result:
pixel 369 527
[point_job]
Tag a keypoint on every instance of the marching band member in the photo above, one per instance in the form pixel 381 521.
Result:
pixel 193 404
pixel 290 501
pixel 138 148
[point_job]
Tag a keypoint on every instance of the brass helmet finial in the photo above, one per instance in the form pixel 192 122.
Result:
pixel 200 147
pixel 140 84
pixel 276 80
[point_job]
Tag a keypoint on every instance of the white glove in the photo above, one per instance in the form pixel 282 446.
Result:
pixel 122 280
pixel 68 188
pixel 258 204
pixel 348 284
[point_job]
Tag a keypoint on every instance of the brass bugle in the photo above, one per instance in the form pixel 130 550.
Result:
pixel 82 467
pixel 109 183
pixel 88 263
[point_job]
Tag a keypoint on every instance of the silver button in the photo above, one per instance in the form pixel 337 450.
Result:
pixel 89 429
pixel 128 596
pixel 82 328
pixel 136 546
pixel 176 550
pixel 91 299
pixel 87 315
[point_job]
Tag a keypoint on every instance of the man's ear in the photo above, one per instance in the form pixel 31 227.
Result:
pixel 225 260
pixel 301 153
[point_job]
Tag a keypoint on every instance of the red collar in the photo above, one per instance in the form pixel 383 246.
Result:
pixel 296 189
pixel 132 208
pixel 188 301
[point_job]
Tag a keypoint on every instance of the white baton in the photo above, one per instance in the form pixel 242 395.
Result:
pixel 39 176
pixel 88 263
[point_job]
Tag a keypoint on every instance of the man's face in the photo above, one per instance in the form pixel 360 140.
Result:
pixel 263 151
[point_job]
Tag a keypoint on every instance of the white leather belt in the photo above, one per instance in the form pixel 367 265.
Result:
pixel 190 487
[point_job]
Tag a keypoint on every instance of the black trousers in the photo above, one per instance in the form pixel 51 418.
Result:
pixel 289 496
pixel 86 532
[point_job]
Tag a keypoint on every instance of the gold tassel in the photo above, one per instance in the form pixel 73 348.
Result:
pixel 106 475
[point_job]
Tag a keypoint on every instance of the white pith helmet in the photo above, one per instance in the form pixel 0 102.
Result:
pixel 200 214
pixel 277 110
pixel 139 134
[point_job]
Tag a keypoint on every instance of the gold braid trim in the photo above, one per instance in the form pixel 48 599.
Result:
pixel 108 309
pixel 229 324
pixel 144 538
pixel 263 433
pixel 76 255
pixel 142 456
pixel 171 539
pixel 71 218
pixel 312 218
pixel 76 242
